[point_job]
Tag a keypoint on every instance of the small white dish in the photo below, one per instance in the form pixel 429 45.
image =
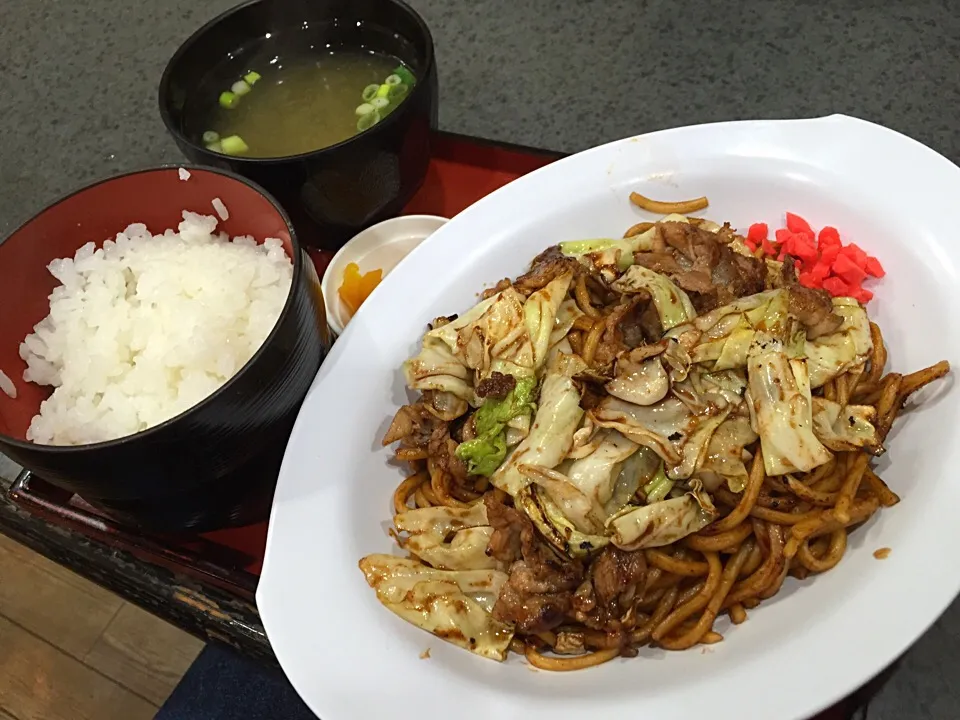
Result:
pixel 379 246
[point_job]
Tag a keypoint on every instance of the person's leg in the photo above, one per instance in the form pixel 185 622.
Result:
pixel 221 685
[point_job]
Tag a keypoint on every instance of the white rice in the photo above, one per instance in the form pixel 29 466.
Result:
pixel 184 174
pixel 6 384
pixel 148 326
pixel 221 209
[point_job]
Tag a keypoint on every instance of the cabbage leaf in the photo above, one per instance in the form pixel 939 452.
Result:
pixel 658 487
pixel 551 436
pixel 640 383
pixel 506 332
pixel 596 473
pixel 448 538
pixel 567 315
pixel 673 305
pixel 722 338
pixel 554 526
pixel 435 367
pixel 609 252
pixel 637 471
pixel 453 605
pixel 724 461
pixel 663 427
pixel 659 524
pixel 846 428
pixel 486 451
pixel 585 512
pixel 829 356
pixel 781 408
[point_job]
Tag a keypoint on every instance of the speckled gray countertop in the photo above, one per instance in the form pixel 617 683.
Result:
pixel 78 102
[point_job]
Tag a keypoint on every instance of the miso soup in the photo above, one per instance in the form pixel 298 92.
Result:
pixel 300 102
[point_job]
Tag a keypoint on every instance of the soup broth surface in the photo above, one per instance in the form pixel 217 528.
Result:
pixel 303 101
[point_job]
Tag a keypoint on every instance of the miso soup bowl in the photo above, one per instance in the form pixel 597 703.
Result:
pixel 215 464
pixel 334 192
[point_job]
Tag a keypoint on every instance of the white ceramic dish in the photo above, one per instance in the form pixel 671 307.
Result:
pixel 379 246
pixel 818 640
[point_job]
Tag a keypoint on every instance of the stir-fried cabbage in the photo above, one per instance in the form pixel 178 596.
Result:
pixel 453 605
pixel 444 405
pixel 663 427
pixel 658 487
pixel 567 315
pixel 554 526
pixel 484 453
pixel 448 538
pixel 436 368
pixel 608 252
pixel 506 332
pixel 659 524
pixel 540 314
pixel 845 428
pixel 695 449
pixel 584 512
pixel 829 356
pixel 781 407
pixel 725 454
pixel 725 335
pixel 673 305
pixel 641 383
pixel 637 471
pixel 551 435
pixel 595 474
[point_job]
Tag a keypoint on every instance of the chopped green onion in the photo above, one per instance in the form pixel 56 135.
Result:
pixel 393 79
pixel 398 92
pixel 405 75
pixel 379 103
pixel 364 109
pixel 383 90
pixel 252 77
pixel 233 145
pixel 215 147
pixel 368 120
pixel 370 92
pixel 210 136
pixel 229 100
pixel 240 88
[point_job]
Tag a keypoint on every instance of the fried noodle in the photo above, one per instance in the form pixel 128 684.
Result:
pixel 669 595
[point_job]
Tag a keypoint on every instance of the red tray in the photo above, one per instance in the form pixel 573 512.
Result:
pixel 462 171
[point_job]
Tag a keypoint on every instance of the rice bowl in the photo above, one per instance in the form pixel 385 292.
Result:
pixel 214 464
pixel 148 326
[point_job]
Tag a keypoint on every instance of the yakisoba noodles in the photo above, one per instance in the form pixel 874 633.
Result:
pixel 634 438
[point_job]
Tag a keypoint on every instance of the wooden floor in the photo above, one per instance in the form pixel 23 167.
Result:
pixel 70 650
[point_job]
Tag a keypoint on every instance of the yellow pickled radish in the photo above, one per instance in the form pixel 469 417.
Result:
pixel 356 288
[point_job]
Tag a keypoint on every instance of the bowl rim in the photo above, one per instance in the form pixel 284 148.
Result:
pixel 298 270
pixel 392 119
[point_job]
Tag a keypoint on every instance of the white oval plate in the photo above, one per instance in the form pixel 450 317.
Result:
pixel 817 641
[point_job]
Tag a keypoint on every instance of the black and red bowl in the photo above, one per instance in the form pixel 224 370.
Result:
pixel 331 193
pixel 216 464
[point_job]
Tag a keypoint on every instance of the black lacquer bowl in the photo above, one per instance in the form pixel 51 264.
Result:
pixel 332 193
pixel 215 464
